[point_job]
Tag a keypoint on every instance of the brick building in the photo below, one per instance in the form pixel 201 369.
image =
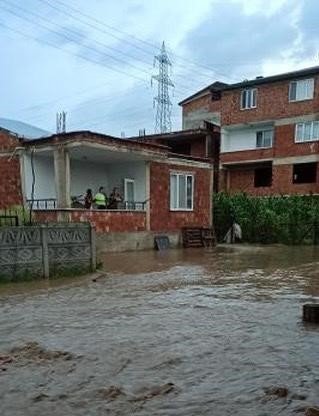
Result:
pixel 269 132
pixel 163 190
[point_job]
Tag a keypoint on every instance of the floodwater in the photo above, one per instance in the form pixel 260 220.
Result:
pixel 183 333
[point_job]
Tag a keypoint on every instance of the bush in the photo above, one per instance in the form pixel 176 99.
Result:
pixel 274 219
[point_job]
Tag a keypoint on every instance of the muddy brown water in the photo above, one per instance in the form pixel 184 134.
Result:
pixel 183 332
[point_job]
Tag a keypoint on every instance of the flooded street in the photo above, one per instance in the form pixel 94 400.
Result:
pixel 183 333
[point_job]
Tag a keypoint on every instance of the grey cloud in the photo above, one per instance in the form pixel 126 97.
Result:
pixel 230 36
pixel 308 25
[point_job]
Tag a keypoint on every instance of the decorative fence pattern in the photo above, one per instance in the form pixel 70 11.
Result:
pixel 46 250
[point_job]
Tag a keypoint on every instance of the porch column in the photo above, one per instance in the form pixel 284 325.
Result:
pixel 62 177
pixel 148 195
pixel 208 145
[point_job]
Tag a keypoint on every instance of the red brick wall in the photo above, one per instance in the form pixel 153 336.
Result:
pixel 112 221
pixel 282 180
pixel 284 143
pixel 45 216
pixel 242 180
pixel 203 103
pixel 272 103
pixel 10 178
pixel 198 147
pixel 283 146
pixel 243 155
pixel 162 219
pixel 102 221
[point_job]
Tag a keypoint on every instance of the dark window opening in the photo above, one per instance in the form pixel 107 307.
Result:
pixel 263 177
pixel 304 173
pixel 181 148
pixel 216 95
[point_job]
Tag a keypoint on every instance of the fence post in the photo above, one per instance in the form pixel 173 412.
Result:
pixel 45 251
pixel 316 233
pixel 93 248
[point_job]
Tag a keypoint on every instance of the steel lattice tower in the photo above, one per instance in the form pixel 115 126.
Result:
pixel 162 101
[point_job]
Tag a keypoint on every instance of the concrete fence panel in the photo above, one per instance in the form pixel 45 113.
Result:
pixel 46 250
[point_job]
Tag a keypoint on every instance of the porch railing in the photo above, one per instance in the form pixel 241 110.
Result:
pixel 44 203
pixel 51 203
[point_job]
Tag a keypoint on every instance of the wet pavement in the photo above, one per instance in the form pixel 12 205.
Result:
pixel 183 332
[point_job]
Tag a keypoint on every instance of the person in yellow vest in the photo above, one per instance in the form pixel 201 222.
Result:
pixel 100 199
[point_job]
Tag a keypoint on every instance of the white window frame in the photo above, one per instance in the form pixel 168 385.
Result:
pixel 126 181
pixel 303 125
pixel 263 138
pixel 178 174
pixel 299 82
pixel 253 103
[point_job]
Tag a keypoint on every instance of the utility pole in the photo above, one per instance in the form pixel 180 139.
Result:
pixel 61 122
pixel 163 123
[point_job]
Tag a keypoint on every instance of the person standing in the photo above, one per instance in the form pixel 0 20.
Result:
pixel 88 199
pixel 115 198
pixel 100 199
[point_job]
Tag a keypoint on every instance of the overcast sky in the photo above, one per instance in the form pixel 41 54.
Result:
pixel 94 59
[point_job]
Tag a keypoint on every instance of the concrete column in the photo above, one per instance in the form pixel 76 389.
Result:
pixel 211 191
pixel 208 143
pixel 62 177
pixel 148 195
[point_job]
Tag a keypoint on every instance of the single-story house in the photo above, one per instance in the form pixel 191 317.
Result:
pixel 162 191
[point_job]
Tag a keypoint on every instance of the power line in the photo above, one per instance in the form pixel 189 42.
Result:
pixel 149 44
pixel 66 37
pixel 63 35
pixel 76 42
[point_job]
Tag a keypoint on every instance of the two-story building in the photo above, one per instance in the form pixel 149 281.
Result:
pixel 269 132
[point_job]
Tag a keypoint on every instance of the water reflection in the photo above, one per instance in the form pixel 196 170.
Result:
pixel 184 332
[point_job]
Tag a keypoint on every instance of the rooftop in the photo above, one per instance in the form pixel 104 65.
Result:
pixel 274 78
pixel 220 86
pixel 215 86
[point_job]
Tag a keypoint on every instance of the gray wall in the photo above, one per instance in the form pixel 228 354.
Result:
pixel 46 250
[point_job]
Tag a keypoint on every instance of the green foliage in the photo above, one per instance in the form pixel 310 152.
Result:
pixel 274 219
pixel 19 211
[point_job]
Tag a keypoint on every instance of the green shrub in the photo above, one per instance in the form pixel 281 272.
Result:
pixel 273 219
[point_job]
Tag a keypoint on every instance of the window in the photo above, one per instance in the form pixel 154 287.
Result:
pixel 248 99
pixel 301 90
pixel 129 190
pixel 264 138
pixel 304 173
pixel 307 131
pixel 263 177
pixel 181 191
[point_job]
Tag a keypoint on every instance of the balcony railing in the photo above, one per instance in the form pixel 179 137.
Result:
pixel 51 203
pixel 44 203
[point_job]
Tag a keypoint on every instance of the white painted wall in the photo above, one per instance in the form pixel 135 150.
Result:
pixel 44 177
pixel 130 170
pixel 240 139
pixel 86 175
